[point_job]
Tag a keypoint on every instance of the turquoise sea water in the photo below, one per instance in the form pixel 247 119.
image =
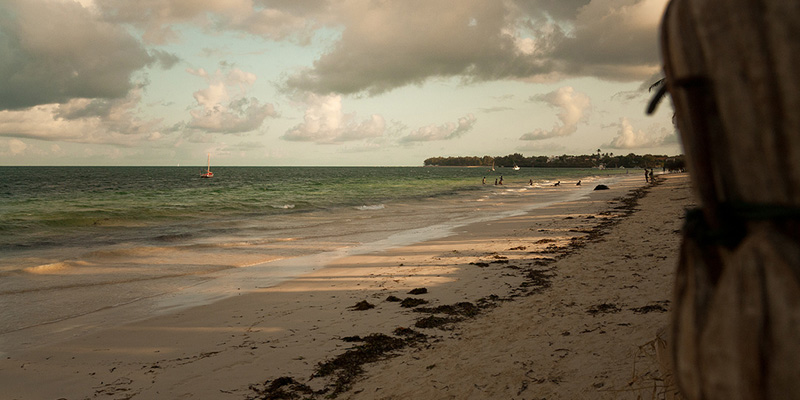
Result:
pixel 77 240
pixel 58 206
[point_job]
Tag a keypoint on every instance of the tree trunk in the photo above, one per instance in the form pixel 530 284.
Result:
pixel 733 71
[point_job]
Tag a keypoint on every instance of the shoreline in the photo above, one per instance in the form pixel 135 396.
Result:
pixel 154 280
pixel 225 348
pixel 597 330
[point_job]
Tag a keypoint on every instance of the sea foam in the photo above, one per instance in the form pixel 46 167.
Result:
pixel 372 207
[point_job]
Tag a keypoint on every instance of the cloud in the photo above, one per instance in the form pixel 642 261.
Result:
pixel 242 115
pixel 164 59
pixel 393 44
pixel 16 146
pixel 221 111
pixel 448 131
pixel 97 121
pixel 55 51
pixel 389 44
pixel 325 123
pixel 644 91
pixel 613 39
pixel 495 109
pixel 574 108
pixel 628 138
pixel 558 10
pixel 276 20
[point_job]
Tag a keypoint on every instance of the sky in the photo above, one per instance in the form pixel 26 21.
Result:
pixel 326 83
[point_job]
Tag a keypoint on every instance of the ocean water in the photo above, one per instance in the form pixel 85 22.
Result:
pixel 78 240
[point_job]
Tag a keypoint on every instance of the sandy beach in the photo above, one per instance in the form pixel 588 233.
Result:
pixel 565 301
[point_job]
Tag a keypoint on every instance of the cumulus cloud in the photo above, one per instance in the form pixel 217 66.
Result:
pixel 54 51
pixel 394 44
pixel 450 130
pixel 96 121
pixel 574 108
pixel 629 138
pixel 405 42
pixel 325 122
pixel 16 146
pixel 385 45
pixel 390 44
pixel 241 115
pixel 224 106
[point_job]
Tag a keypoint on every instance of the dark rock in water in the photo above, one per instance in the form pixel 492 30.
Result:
pixel 601 187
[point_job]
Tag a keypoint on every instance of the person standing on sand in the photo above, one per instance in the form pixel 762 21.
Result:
pixel 530 182
pixel 501 179
pixel 484 180
pixel 646 176
pixel 651 176
pixel 495 181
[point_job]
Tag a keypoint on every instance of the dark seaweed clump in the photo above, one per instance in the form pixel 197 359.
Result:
pixel 281 388
pixel 465 309
pixel 411 302
pixel 480 264
pixel 418 291
pixel 348 365
pixel 433 321
pixel 656 307
pixel 605 308
pixel 362 306
pixel 537 280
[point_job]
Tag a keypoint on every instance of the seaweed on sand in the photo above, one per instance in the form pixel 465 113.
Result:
pixel 433 321
pixel 537 280
pixel 480 264
pixel 465 309
pixel 418 291
pixel 362 306
pixel 456 313
pixel 411 335
pixel 343 369
pixel 348 365
pixel 654 307
pixel 604 308
pixel 282 388
pixel 411 302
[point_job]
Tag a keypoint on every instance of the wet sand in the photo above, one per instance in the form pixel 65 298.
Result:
pixel 562 302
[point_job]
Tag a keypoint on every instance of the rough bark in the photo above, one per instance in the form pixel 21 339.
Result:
pixel 733 72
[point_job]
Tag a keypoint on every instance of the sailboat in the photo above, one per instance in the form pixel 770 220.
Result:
pixel 208 173
pixel 516 167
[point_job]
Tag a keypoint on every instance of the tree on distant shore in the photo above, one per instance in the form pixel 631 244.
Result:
pixel 607 160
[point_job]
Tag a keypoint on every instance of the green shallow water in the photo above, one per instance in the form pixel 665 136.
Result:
pixel 38 203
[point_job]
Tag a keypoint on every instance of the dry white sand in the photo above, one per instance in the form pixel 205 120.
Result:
pixel 585 304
